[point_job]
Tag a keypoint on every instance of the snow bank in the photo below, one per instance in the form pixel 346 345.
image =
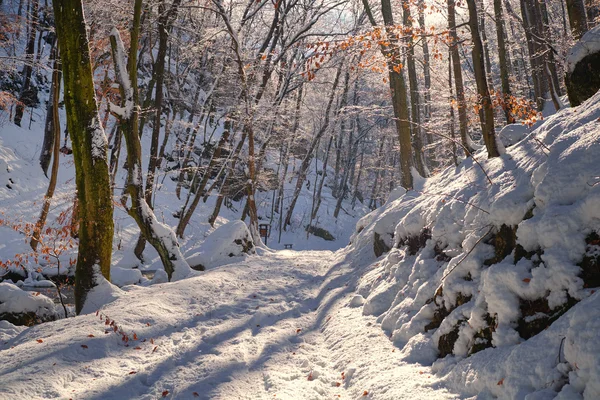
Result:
pixel 102 294
pixel 125 276
pixel 24 308
pixel 481 271
pixel 232 239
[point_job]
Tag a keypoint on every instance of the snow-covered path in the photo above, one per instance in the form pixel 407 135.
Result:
pixel 274 326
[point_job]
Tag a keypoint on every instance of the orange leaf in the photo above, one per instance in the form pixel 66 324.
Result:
pixel 527 280
pixel 154 349
pixel 196 394
pixel 84 346
pixel 90 335
pixel 298 330
pixel 365 393
pixel 165 393
pixel 132 372
pixel 39 341
pixel 501 381
pixel 338 384
pixel 137 348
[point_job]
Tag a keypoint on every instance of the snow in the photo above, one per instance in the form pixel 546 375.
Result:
pixel 588 44
pixel 16 301
pixel 101 294
pixel 274 327
pixel 122 76
pixel 316 324
pixel 551 173
pixel 220 246
pixel 125 276
pixel 9 331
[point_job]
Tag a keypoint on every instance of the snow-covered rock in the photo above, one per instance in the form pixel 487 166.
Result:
pixel 232 239
pixel 583 67
pixel 24 308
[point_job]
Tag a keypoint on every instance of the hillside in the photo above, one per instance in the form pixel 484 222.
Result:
pixel 490 269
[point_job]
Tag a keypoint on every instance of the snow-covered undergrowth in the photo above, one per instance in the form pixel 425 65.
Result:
pixel 494 267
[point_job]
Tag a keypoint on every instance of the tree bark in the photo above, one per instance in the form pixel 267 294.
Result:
pixel 397 83
pixel 54 127
pixel 415 101
pixel 28 68
pixel 89 151
pixel 503 59
pixel 577 18
pixel 487 115
pixel 160 236
pixel 458 80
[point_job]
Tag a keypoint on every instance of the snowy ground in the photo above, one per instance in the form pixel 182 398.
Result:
pixel 282 325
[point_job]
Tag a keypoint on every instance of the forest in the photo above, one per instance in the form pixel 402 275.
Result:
pixel 299 199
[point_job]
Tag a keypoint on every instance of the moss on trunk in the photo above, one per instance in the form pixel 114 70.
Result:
pixel 89 149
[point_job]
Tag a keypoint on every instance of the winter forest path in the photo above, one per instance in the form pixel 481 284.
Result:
pixel 274 326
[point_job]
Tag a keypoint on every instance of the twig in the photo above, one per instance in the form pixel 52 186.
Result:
pixel 452 197
pixel 560 346
pixel 467 255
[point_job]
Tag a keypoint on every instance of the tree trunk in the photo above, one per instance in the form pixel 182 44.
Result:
pixel 487 116
pixel 392 55
pixel 54 127
pixel 458 81
pixel 26 93
pixel 317 205
pixel 216 158
pixel 452 119
pixel 415 102
pixel 165 20
pixel 503 59
pixel 49 134
pixel 577 18
pixel 89 151
pixel 160 236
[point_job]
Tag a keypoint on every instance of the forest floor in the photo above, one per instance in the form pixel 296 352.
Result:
pixel 280 325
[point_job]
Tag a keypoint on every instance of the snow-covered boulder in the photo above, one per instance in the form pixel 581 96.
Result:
pixel 583 68
pixel 232 239
pixel 24 308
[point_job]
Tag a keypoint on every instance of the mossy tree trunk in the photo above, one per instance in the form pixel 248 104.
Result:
pixel 89 150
